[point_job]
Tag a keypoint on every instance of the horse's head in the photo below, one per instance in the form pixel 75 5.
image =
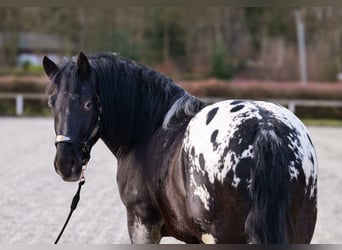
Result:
pixel 76 110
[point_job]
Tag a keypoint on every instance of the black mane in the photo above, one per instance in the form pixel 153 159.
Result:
pixel 135 99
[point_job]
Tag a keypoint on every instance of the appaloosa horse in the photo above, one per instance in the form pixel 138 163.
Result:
pixel 236 171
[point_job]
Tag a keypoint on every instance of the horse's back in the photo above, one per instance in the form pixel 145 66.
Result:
pixel 220 154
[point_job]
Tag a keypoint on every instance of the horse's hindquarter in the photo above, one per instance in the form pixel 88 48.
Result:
pixel 219 152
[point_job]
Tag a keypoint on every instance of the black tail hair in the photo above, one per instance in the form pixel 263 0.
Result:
pixel 267 220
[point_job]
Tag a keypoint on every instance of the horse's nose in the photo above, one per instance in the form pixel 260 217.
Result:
pixel 66 164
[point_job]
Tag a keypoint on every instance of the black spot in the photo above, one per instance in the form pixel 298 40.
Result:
pixel 211 115
pixel 243 168
pixel 213 139
pixel 236 102
pixel 237 108
pixel 244 135
pixel 233 160
pixel 192 152
pixel 201 161
pixel 312 159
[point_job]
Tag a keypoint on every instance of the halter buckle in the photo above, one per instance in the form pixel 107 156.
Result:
pixel 85 147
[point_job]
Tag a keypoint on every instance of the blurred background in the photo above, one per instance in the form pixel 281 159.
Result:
pixel 259 53
pixel 292 56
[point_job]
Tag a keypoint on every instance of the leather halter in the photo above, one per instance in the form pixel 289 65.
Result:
pixel 86 145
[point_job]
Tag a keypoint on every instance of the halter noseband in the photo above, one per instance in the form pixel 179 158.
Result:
pixel 85 146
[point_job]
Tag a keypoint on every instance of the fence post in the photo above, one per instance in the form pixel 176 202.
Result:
pixel 301 47
pixel 19 100
pixel 292 106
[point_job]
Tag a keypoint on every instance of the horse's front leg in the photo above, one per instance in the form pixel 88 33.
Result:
pixel 142 228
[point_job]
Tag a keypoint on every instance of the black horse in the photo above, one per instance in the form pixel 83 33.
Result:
pixel 236 171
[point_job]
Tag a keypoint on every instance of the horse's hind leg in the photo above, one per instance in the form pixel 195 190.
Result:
pixel 303 212
pixel 143 230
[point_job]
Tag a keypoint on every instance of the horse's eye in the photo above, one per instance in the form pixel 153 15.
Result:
pixel 51 101
pixel 87 105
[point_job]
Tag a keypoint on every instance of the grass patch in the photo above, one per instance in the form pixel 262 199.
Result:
pixel 323 122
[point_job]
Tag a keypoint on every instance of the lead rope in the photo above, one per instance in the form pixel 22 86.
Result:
pixel 74 201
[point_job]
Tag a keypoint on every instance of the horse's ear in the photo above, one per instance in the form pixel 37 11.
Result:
pixel 83 64
pixel 49 66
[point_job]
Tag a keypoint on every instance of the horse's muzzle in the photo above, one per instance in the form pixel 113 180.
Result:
pixel 68 163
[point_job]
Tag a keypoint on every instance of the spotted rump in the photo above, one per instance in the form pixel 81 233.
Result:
pixel 246 158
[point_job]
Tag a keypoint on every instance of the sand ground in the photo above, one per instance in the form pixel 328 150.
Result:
pixel 34 201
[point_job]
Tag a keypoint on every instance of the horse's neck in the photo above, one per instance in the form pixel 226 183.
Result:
pixel 160 150
pixel 139 117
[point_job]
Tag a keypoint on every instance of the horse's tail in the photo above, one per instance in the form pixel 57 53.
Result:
pixel 269 189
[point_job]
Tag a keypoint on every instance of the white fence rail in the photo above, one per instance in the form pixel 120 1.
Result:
pixel 20 99
pixel 290 103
